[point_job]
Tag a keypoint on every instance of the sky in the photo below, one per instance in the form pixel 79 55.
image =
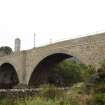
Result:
pixel 50 20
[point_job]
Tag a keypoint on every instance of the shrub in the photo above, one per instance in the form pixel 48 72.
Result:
pixel 51 91
pixel 99 99
pixel 66 73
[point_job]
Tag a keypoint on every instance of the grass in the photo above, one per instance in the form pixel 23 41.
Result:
pixel 76 95
pixel 33 101
pixel 49 96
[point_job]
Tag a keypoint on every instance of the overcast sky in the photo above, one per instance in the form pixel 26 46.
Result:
pixel 49 19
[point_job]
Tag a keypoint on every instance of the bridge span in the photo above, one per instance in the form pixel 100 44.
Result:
pixel 24 66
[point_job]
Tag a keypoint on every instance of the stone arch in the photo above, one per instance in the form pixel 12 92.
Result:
pixel 40 72
pixel 8 76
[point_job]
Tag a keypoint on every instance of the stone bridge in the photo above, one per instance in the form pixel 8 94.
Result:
pixel 24 66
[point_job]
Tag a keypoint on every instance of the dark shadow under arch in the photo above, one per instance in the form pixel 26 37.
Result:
pixel 8 76
pixel 41 72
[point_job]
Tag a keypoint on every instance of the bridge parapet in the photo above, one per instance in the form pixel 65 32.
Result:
pixel 83 42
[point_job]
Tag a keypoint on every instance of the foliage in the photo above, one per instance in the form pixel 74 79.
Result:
pixel 99 99
pixel 69 72
pixel 72 96
pixel 8 101
pixel 96 82
pixel 66 73
pixel 51 91
pixel 5 49
pixel 41 101
pixel 76 94
pixel 29 101
pixel 87 71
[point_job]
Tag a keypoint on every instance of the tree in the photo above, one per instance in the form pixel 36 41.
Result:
pixel 6 50
pixel 66 73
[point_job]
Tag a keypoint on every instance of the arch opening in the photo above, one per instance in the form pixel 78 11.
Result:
pixel 41 73
pixel 8 76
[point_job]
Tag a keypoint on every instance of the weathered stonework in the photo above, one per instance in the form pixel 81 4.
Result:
pixel 89 50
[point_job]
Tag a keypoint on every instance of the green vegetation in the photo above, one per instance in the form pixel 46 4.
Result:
pixel 6 50
pixel 87 88
pixel 69 72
